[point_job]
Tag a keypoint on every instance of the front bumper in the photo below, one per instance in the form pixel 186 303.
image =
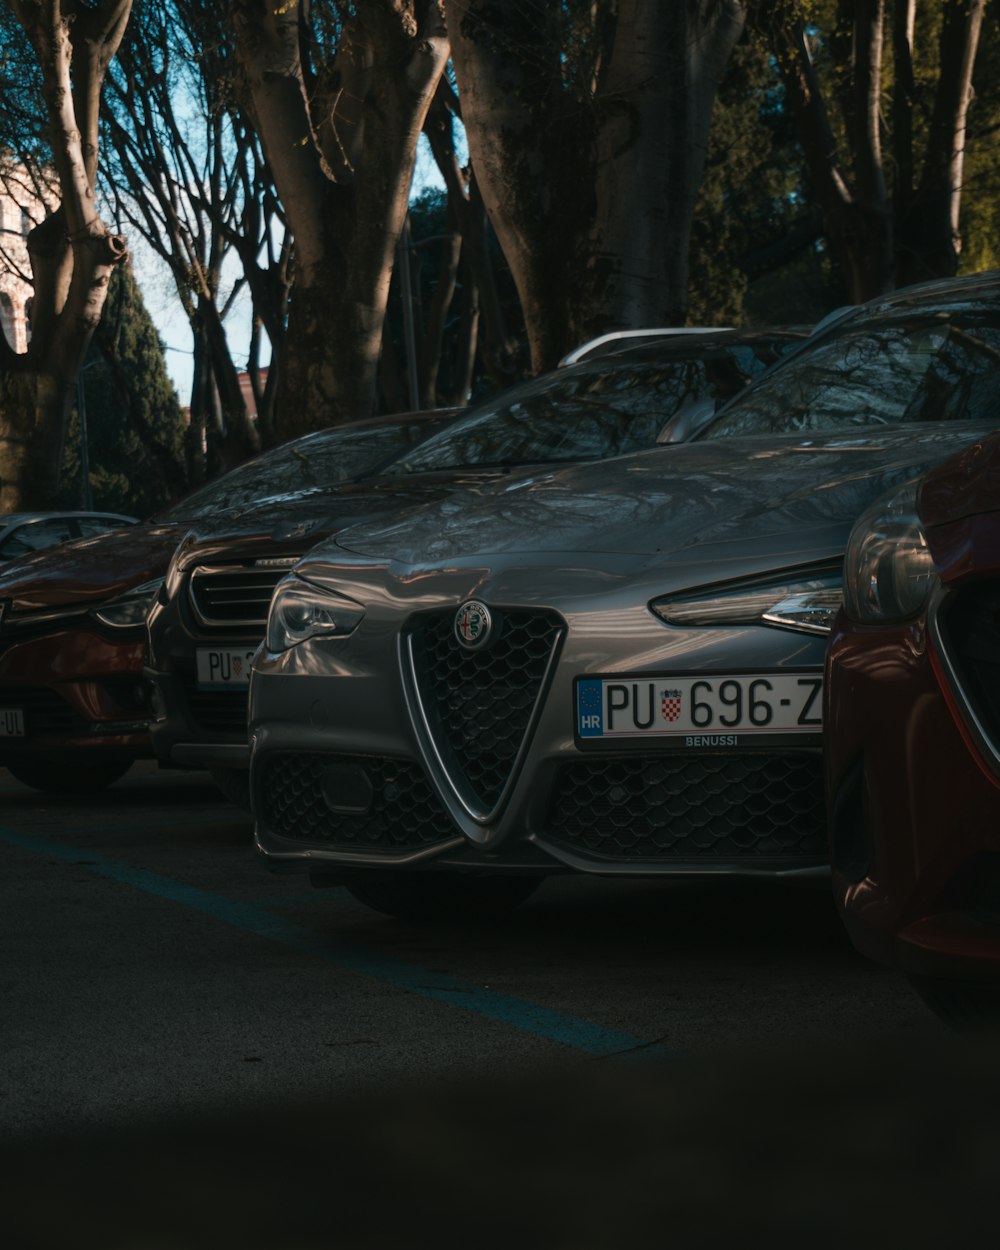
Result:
pixel 345 771
pixel 192 728
pixel 219 604
pixel 78 691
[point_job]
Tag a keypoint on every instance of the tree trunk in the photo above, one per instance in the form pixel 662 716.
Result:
pixel 877 242
pixel 433 337
pixel 468 339
pixel 342 160
pixel 524 130
pixel 932 238
pixel 34 410
pixel 589 177
pixel 651 142
pixel 465 203
pixel 38 389
pixel 72 252
pixel 857 224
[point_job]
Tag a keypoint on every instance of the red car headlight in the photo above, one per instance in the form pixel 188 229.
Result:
pixel 888 571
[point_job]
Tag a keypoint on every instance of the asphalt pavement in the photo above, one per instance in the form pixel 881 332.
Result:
pixel 156 976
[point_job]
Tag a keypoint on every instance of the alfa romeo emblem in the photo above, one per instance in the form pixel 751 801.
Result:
pixel 473 624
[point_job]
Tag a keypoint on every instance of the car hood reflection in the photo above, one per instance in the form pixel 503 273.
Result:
pixel 89 570
pixel 761 492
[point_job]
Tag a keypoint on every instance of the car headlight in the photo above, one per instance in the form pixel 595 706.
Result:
pixel 888 571
pixel 807 605
pixel 132 608
pixel 300 610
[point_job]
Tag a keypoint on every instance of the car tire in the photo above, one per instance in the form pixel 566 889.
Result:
pixel 433 895
pixel 963 1005
pixel 234 784
pixel 60 777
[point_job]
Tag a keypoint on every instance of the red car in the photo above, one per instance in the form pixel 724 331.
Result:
pixel 913 735
pixel 74 705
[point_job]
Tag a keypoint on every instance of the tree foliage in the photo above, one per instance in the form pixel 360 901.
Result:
pixel 631 163
pixel 881 93
pixel 135 427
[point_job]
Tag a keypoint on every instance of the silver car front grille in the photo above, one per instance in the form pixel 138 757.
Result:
pixel 479 706
pixel 236 596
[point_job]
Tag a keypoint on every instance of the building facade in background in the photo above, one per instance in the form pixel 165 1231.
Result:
pixel 21 208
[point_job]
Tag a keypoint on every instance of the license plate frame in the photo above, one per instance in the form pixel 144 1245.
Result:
pixel 223 668
pixel 656 709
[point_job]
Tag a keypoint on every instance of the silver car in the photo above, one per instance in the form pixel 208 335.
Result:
pixel 614 668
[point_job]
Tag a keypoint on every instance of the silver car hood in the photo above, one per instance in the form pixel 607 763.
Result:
pixel 771 501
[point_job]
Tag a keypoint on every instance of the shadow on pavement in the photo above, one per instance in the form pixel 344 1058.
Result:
pixel 866 1146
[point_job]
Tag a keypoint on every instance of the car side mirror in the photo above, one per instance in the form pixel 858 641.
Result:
pixel 686 423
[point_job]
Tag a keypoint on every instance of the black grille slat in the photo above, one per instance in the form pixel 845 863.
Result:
pixel 479 703
pixel 405 813
pixel 666 807
pixel 234 596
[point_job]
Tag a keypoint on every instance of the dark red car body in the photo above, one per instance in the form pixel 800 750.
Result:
pixel 913 750
pixel 71 687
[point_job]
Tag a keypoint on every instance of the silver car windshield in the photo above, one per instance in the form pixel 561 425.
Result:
pixel 925 371
pixel 589 411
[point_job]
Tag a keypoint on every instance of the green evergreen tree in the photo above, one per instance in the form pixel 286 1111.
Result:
pixel 134 420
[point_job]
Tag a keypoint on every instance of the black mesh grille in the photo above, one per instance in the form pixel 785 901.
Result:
pixel 218 711
pixel 971 633
pixel 479 703
pixel 228 597
pixel 404 812
pixel 45 712
pixel 690 808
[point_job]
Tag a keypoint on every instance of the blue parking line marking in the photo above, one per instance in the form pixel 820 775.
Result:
pixel 555 1026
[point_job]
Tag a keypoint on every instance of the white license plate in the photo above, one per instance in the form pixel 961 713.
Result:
pixel 11 722
pixel 226 666
pixel 719 705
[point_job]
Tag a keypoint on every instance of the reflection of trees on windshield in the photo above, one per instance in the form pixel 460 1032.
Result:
pixel 660 500
pixel 305 466
pixel 590 411
pixel 905 373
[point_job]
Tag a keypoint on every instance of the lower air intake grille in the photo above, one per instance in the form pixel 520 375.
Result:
pixel 293 797
pixel 479 703
pixel 655 807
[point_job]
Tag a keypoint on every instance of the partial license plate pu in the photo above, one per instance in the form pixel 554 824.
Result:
pixel 11 722
pixel 223 666
pixel 688 707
